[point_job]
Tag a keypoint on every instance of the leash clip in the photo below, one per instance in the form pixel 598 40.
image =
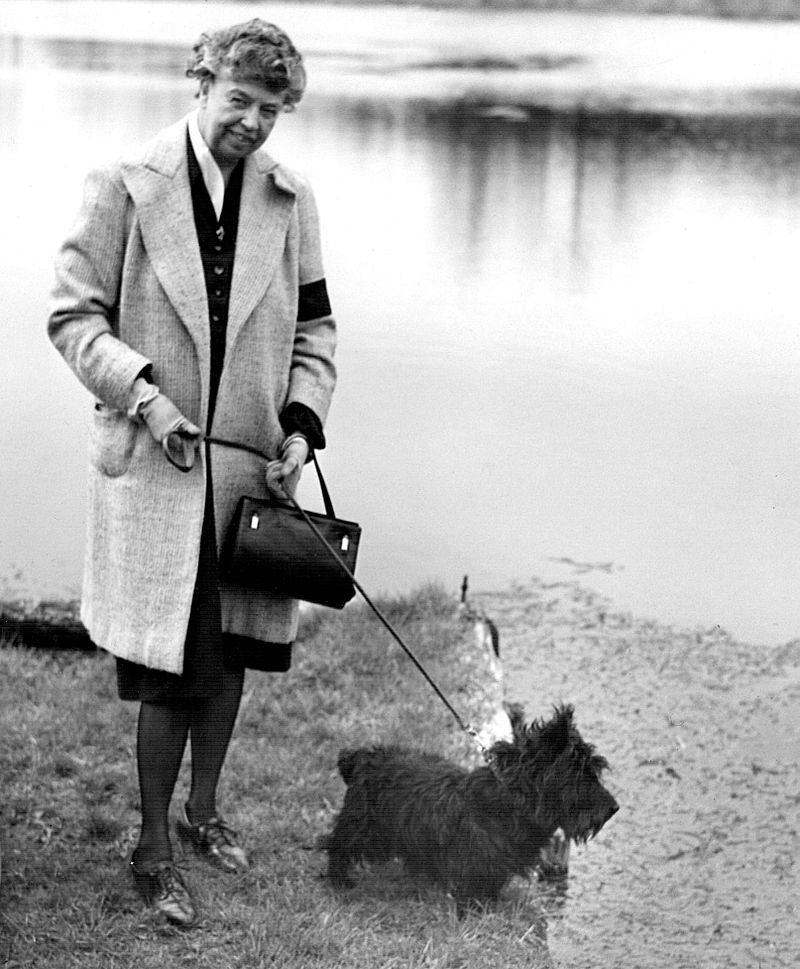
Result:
pixel 485 752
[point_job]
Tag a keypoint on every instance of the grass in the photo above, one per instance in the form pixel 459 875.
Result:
pixel 69 811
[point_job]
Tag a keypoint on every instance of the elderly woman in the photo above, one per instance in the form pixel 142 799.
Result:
pixel 190 300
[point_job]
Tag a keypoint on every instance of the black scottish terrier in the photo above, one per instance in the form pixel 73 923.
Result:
pixel 469 831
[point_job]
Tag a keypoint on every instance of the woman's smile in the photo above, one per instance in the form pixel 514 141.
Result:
pixel 236 117
pixel 243 138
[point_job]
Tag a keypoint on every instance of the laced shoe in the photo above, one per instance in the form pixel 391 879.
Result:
pixel 215 841
pixel 163 889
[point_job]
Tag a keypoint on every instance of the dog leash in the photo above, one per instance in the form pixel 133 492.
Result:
pixel 467 728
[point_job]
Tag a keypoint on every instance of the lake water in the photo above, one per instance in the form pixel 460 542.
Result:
pixel 564 340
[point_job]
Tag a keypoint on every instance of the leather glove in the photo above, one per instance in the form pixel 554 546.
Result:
pixel 178 436
pixel 283 474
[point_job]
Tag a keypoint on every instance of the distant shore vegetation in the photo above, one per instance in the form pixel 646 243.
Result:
pixel 750 9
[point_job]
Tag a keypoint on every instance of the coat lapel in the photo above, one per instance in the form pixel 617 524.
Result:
pixel 264 211
pixel 159 187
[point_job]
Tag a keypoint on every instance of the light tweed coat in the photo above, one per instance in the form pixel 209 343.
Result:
pixel 130 292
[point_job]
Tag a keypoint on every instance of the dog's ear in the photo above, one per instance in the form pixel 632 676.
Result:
pixel 564 714
pixel 557 732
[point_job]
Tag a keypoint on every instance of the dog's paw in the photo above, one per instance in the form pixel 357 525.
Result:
pixel 468 905
pixel 340 882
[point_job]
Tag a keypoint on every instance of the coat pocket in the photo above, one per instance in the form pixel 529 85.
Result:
pixel 112 438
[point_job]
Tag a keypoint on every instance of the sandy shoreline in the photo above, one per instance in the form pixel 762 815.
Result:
pixel 557 60
pixel 699 868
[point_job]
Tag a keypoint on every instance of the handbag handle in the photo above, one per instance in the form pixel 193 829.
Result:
pixel 468 729
pixel 326 497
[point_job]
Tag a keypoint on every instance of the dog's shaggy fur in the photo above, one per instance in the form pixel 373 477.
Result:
pixel 469 831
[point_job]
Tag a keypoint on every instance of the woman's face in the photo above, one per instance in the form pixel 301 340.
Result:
pixel 236 117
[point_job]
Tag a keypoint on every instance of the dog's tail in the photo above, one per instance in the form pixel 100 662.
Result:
pixel 347 762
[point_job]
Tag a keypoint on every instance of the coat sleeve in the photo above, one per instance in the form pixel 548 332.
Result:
pixel 313 373
pixel 84 302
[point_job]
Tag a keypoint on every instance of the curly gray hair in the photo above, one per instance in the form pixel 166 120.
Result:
pixel 254 51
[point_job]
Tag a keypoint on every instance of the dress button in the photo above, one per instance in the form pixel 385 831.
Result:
pixel 219 270
pixel 217 248
pixel 218 292
pixel 215 318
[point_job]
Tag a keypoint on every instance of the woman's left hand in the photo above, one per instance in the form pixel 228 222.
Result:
pixel 283 474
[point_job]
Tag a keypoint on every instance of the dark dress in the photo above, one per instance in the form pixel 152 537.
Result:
pixel 208 650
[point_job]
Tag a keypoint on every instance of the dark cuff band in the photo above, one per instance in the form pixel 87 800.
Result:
pixel 296 418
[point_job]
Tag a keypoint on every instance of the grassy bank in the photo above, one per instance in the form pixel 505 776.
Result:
pixel 698 868
pixel 69 811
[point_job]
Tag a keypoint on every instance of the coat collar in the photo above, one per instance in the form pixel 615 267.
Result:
pixel 158 182
pixel 267 201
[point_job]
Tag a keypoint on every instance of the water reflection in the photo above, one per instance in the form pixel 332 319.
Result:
pixel 57 53
pixel 562 336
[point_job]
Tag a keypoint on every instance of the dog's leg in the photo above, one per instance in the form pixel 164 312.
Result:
pixel 338 870
pixel 339 856
pixel 343 849
pixel 477 891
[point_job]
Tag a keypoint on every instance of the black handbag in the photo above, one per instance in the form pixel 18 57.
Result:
pixel 278 547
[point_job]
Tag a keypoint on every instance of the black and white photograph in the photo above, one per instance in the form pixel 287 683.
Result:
pixel 400 484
